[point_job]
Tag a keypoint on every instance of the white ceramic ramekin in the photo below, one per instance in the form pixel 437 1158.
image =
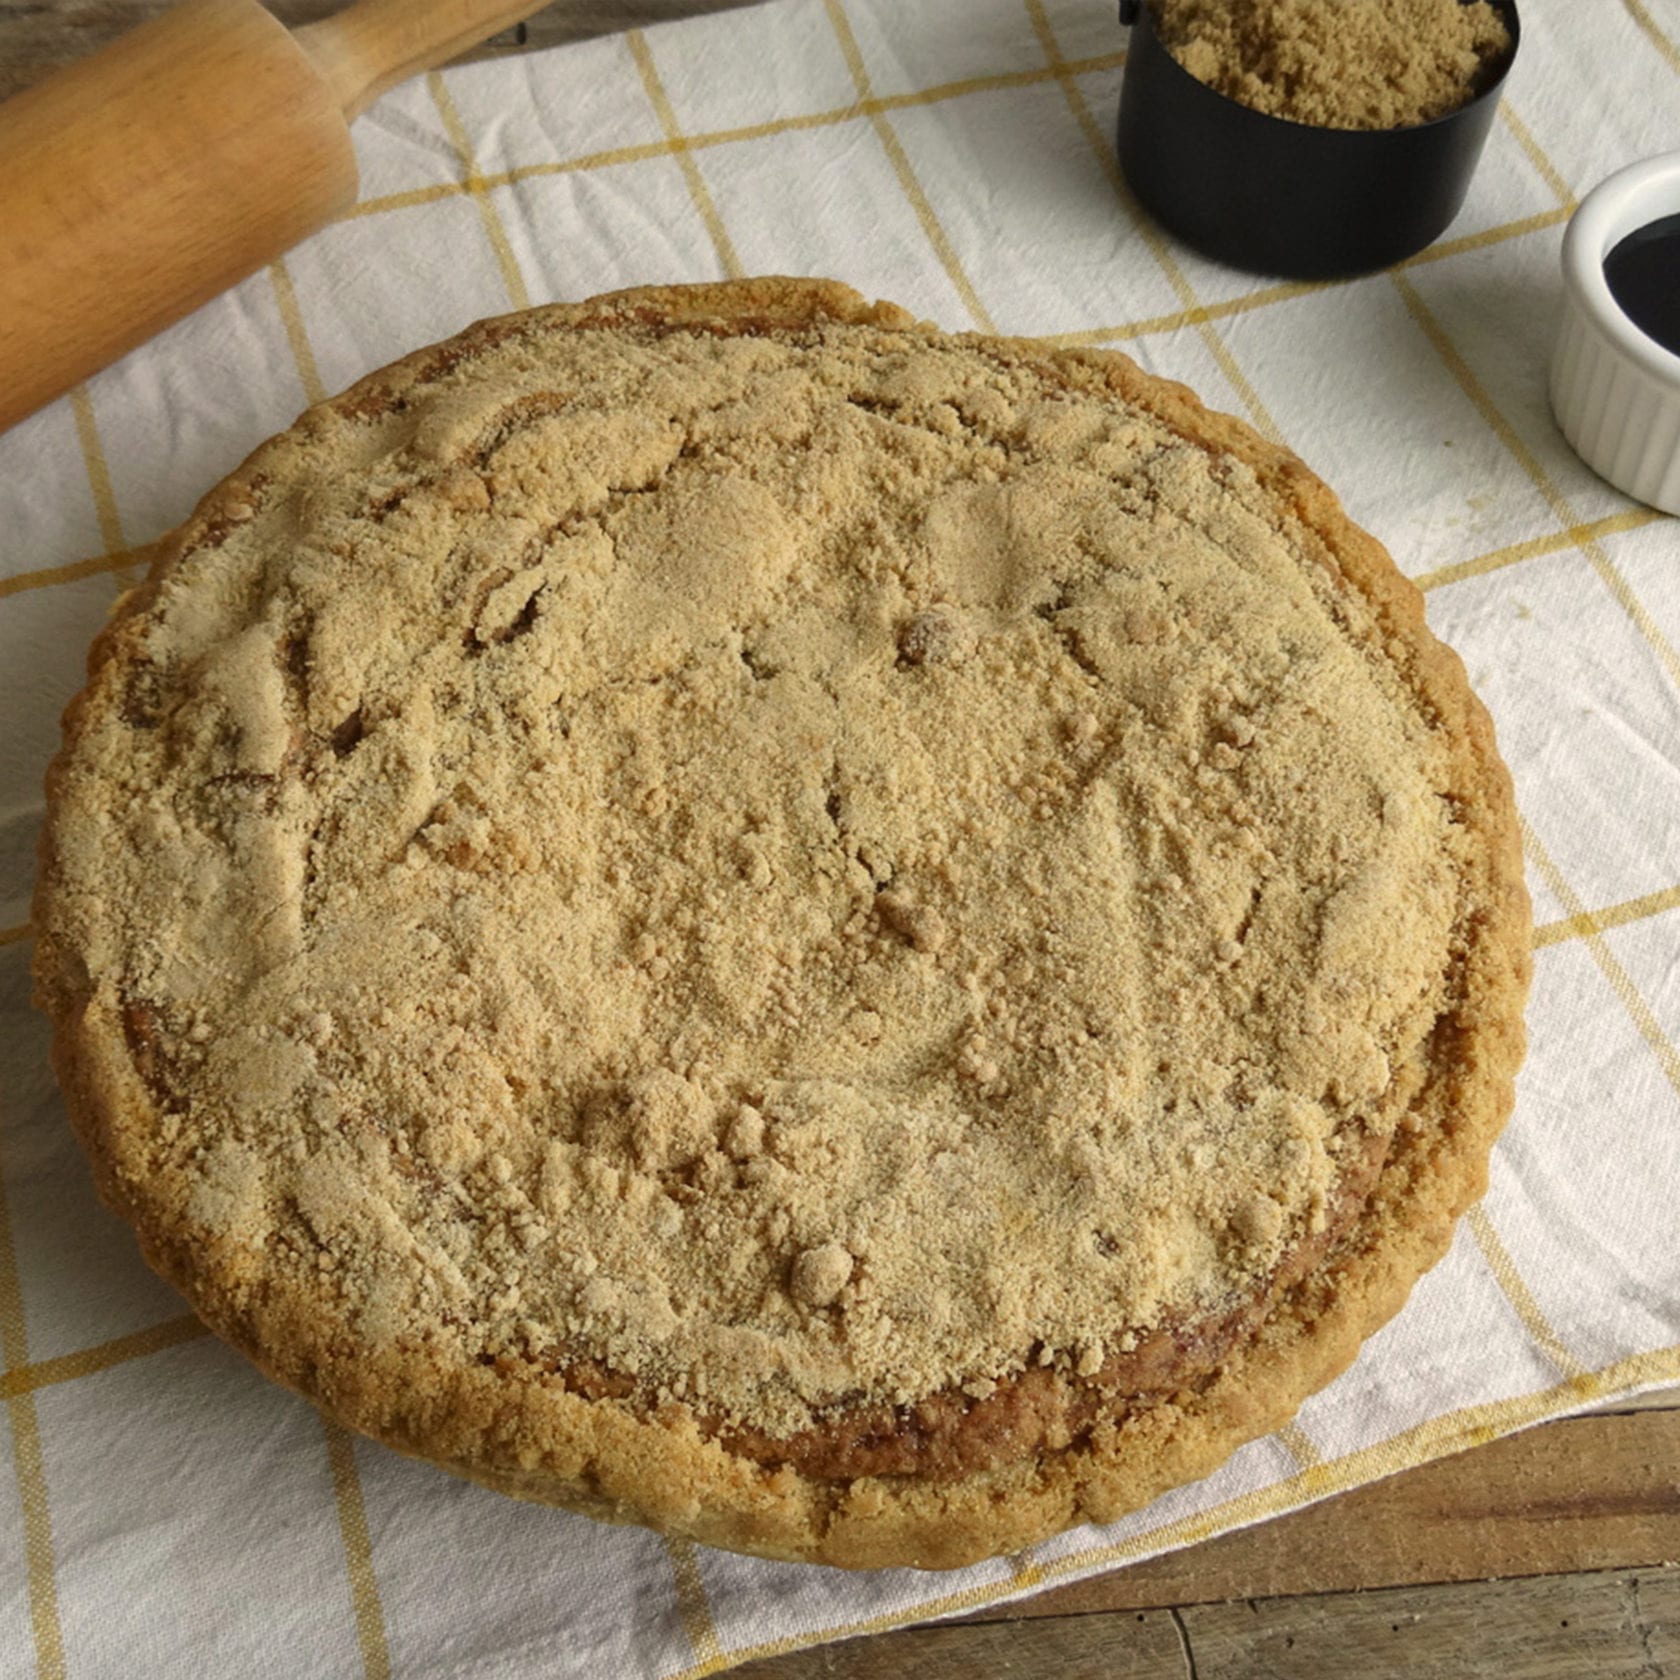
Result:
pixel 1615 391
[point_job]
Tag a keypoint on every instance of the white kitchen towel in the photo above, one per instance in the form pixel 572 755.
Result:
pixel 163 1509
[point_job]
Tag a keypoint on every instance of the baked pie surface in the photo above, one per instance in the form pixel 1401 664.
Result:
pixel 725 910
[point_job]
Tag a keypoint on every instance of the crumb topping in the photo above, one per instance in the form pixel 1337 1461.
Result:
pixel 802 867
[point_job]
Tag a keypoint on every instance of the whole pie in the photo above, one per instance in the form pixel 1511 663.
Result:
pixel 725 910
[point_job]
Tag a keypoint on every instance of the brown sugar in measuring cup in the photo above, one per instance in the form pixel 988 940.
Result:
pixel 1275 196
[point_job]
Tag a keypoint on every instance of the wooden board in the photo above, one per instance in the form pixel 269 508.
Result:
pixel 38 35
pixel 1622 1623
pixel 1389 1579
pixel 1581 1494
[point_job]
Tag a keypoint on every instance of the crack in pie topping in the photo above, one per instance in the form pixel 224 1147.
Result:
pixel 869 898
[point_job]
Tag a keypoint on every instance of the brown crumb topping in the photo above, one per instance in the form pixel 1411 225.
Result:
pixel 1337 63
pixel 807 874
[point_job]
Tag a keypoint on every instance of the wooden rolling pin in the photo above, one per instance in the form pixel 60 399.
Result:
pixel 141 182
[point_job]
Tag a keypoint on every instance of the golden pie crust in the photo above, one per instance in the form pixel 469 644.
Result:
pixel 725 910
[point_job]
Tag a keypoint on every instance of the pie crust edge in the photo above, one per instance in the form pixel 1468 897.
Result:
pixel 542 1442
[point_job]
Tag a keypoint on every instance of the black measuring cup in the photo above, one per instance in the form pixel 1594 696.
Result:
pixel 1279 197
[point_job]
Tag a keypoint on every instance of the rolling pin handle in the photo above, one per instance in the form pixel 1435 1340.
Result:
pixel 369 47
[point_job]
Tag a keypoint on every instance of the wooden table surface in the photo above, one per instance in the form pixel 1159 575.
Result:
pixel 1551 1555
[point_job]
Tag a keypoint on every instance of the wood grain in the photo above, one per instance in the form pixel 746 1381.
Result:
pixel 1621 1623
pixel 39 35
pixel 1144 1646
pixel 1611 1624
pixel 140 183
pixel 1559 1507
pixel 366 49
pixel 1581 1494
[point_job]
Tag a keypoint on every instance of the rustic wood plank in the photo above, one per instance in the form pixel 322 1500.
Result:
pixel 1581 1494
pixel 38 35
pixel 1579 1627
pixel 1550 1504
pixel 1621 1624
pixel 1145 1646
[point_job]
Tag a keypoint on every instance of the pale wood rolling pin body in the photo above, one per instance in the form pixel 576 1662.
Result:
pixel 138 184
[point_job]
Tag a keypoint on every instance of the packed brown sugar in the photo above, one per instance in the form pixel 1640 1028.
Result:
pixel 1337 63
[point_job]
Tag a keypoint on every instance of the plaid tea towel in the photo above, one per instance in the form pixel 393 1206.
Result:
pixel 163 1509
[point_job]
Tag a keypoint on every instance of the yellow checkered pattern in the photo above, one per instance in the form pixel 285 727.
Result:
pixel 164 1510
